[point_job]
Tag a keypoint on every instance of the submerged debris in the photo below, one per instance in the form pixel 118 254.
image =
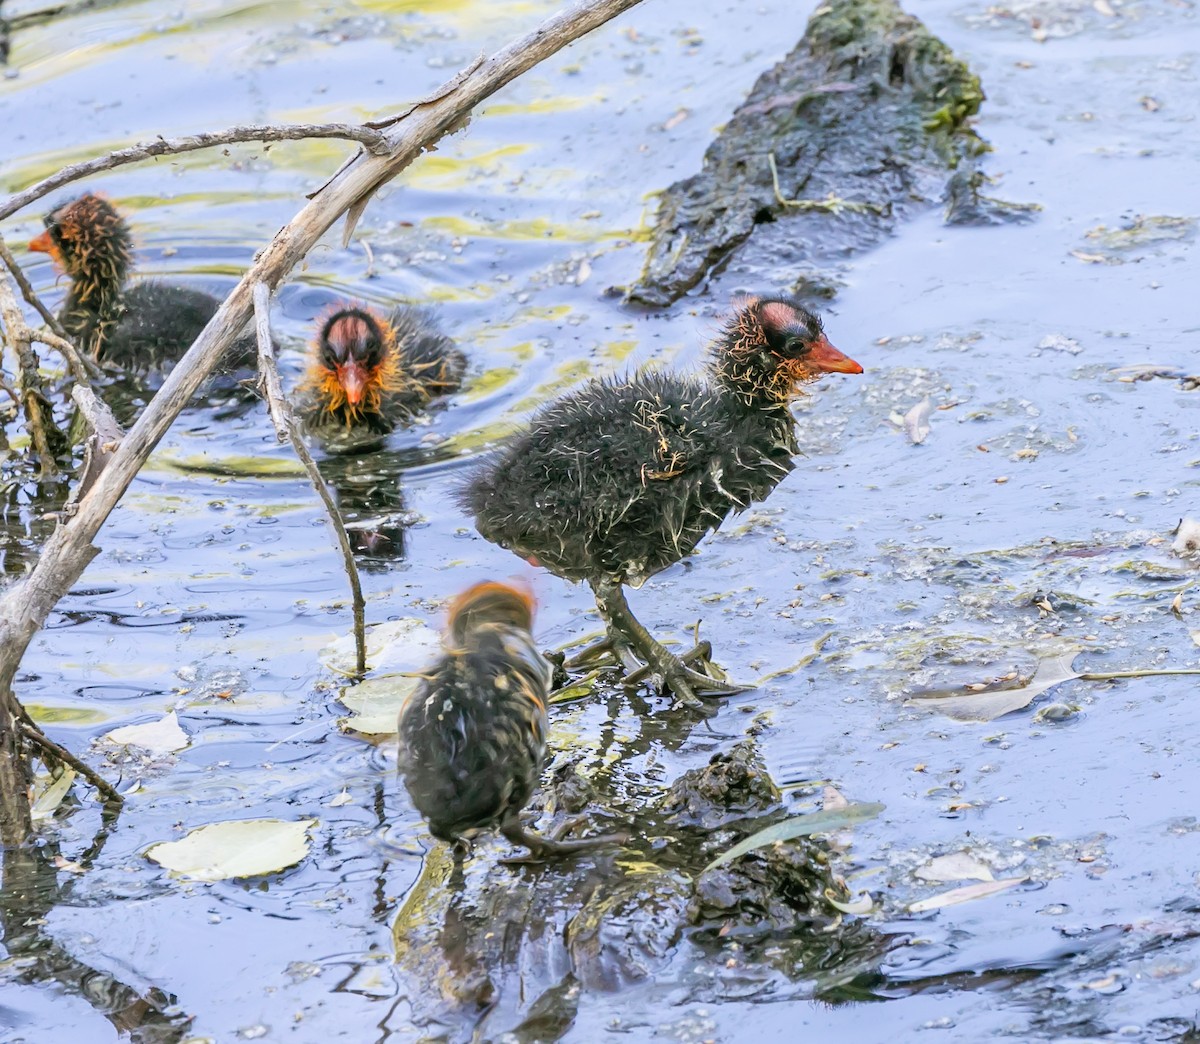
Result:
pixel 845 136
pixel 522 946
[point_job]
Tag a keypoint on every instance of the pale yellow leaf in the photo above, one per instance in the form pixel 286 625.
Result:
pixel 239 848
pixel 966 894
pixel 957 866
pixel 47 802
pixel 163 736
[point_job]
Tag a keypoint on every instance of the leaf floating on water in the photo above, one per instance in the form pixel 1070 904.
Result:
pixel 397 645
pixel 47 802
pixel 376 703
pixel 957 866
pixel 860 906
pixel 994 703
pixel 916 421
pixel 1054 670
pixel 158 737
pixel 966 894
pixel 239 848
pixel 800 826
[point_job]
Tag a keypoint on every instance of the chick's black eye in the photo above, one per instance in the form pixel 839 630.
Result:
pixel 798 346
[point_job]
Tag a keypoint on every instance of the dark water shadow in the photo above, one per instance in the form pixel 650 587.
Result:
pixel 32 887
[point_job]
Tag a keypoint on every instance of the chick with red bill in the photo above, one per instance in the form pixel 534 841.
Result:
pixel 617 481
pixel 370 374
pixel 473 734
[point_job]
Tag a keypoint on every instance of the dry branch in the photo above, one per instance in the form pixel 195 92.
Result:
pixel 67 553
pixel 371 139
pixel 39 416
pixel 99 446
pixel 287 428
pixel 83 367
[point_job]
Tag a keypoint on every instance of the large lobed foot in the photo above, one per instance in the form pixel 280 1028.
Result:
pixel 627 636
pixel 676 673
pixel 552 846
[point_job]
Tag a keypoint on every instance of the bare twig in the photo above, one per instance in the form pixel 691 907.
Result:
pixel 269 385
pixel 52 751
pixel 98 447
pixel 287 428
pixel 831 204
pixel 83 367
pixel 18 273
pixel 39 417
pixel 27 603
pixel 371 139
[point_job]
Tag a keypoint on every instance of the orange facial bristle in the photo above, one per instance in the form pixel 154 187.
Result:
pixel 324 381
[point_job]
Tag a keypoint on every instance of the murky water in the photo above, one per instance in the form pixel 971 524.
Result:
pixel 1044 482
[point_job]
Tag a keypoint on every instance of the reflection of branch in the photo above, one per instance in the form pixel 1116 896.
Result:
pixel 15 820
pixel 374 141
pixel 52 751
pixel 31 888
pixel 288 429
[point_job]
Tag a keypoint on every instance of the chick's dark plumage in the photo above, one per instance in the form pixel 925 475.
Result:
pixel 473 735
pixel 622 478
pixel 139 327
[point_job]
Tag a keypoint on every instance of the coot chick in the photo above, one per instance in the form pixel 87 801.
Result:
pixel 473 735
pixel 368 374
pixel 137 328
pixel 622 478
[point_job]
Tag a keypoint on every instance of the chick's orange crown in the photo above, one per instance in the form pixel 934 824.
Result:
pixel 492 602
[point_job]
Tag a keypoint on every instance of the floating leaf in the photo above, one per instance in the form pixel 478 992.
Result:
pixel 859 906
pixel 957 866
pixel 239 848
pixel 993 703
pixel 916 421
pixel 47 802
pixel 158 737
pixel 990 704
pixel 801 826
pixel 397 645
pixel 965 894
pixel 375 703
